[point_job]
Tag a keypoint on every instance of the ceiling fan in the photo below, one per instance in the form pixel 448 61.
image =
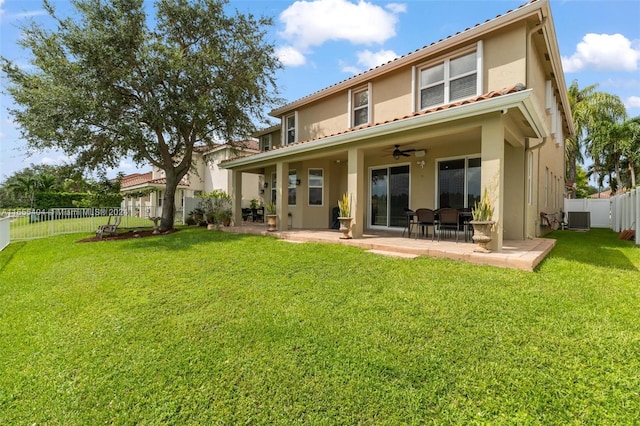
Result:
pixel 397 152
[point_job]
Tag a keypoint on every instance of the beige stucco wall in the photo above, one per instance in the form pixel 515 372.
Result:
pixel 504 61
pixel 505 58
pixel 391 96
pixel 302 214
pixel 323 118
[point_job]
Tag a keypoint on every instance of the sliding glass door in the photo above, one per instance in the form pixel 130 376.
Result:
pixel 389 196
pixel 458 182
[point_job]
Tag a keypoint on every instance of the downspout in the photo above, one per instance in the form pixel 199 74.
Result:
pixel 528 148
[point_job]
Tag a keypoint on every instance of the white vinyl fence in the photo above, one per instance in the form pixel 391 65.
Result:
pixel 618 213
pixel 25 224
pixel 599 209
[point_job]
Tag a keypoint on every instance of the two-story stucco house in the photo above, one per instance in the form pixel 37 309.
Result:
pixel 143 193
pixel 485 108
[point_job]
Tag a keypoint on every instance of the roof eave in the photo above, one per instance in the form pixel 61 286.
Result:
pixel 521 100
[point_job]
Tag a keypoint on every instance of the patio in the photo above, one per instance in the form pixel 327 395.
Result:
pixel 523 255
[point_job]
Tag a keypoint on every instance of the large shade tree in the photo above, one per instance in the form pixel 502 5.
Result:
pixel 109 83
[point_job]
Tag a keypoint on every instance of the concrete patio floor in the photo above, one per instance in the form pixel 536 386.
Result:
pixel 524 255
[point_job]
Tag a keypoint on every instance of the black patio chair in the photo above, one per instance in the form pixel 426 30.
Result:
pixel 448 221
pixel 426 218
pixel 411 221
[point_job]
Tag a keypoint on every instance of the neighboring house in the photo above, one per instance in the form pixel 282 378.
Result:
pixel 485 108
pixel 144 192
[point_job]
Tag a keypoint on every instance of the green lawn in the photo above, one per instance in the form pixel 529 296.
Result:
pixel 202 327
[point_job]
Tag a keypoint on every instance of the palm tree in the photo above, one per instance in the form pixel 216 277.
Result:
pixel 47 182
pixel 579 101
pixel 598 118
pixel 25 186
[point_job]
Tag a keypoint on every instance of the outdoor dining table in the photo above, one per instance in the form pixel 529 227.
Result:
pixel 464 218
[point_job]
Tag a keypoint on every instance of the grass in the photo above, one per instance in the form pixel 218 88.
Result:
pixel 202 327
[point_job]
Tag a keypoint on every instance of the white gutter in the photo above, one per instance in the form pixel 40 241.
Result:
pixel 521 100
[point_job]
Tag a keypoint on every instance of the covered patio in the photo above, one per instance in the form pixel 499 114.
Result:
pixel 515 254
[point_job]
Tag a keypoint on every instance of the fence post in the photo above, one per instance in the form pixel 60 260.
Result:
pixel 5 232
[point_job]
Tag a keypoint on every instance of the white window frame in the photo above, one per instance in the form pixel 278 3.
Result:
pixel 265 142
pixel 274 190
pixel 352 109
pixel 292 185
pixel 546 186
pixel 321 186
pixel 417 70
pixel 285 124
pixel 466 175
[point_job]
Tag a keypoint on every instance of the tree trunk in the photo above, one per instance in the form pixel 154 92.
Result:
pixel 169 201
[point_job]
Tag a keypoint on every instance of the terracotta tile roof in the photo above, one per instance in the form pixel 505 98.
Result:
pixel 245 144
pixel 602 194
pixel 403 56
pixel 490 95
pixel 139 179
pixel 135 179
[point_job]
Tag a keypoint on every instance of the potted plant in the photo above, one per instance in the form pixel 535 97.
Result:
pixel 271 216
pixel 482 222
pixel 217 208
pixel 344 216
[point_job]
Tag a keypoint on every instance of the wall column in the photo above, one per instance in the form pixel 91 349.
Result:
pixel 492 175
pixel 236 196
pixel 282 195
pixel 355 188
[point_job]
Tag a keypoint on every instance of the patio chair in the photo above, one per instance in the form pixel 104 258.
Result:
pixel 246 214
pixel 258 214
pixel 448 221
pixel 464 217
pixel 426 218
pixel 411 221
pixel 109 228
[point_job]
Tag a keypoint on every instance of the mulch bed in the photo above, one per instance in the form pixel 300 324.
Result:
pixel 134 233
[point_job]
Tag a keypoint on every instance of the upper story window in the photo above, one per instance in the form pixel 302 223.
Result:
pixel 290 123
pixel 451 79
pixel 265 142
pixel 361 108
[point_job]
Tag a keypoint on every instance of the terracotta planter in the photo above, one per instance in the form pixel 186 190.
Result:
pixel 482 234
pixel 345 227
pixel 271 222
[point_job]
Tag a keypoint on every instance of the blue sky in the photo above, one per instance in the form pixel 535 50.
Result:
pixel 322 42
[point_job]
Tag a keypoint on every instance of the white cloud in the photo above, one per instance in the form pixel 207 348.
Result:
pixel 312 23
pixel 59 160
pixel 290 56
pixel 632 102
pixel 349 69
pixel 603 52
pixel 397 7
pixel 368 59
